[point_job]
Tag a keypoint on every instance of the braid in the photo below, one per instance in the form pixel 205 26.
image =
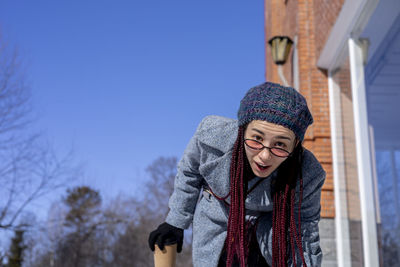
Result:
pixel 236 242
pixel 283 217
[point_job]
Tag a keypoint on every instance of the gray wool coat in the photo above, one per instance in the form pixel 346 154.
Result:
pixel 207 160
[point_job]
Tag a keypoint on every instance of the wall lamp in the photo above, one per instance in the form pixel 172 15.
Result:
pixel 280 48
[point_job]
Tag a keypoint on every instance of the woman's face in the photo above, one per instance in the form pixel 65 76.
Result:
pixel 263 162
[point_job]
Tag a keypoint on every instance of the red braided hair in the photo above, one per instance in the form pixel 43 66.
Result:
pixel 283 217
pixel 283 210
pixel 236 241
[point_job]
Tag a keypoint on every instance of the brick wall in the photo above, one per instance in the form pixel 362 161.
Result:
pixel 311 21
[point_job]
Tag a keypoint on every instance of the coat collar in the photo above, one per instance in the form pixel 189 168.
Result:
pixel 218 132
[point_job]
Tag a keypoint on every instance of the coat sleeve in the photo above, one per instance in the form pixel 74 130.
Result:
pixel 310 216
pixel 187 186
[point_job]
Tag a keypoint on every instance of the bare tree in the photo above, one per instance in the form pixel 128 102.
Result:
pixel 116 234
pixel 130 246
pixel 29 167
pixel 154 209
pixel 81 232
pixel 159 187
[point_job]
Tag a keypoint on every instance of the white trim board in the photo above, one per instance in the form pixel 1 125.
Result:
pixel 351 21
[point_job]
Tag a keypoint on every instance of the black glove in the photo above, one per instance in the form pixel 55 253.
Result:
pixel 166 234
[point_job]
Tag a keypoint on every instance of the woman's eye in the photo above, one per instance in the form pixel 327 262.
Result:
pixel 280 144
pixel 257 137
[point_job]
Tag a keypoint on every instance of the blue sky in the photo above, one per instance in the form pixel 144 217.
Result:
pixel 125 82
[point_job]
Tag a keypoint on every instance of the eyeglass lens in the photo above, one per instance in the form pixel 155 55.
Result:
pixel 274 150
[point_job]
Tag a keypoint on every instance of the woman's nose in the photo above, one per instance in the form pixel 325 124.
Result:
pixel 265 154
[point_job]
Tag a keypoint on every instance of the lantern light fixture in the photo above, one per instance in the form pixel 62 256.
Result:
pixel 280 47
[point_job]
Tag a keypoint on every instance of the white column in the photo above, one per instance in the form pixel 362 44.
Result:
pixel 364 163
pixel 341 218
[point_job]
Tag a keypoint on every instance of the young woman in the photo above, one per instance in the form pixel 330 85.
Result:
pixel 260 202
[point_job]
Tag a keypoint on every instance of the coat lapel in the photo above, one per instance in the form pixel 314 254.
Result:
pixel 216 174
pixel 217 142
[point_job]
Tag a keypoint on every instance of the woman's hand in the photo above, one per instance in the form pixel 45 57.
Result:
pixel 166 234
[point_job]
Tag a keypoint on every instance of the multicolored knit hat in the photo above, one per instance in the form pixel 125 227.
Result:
pixel 277 104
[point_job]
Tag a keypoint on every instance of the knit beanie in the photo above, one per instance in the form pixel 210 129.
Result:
pixel 277 104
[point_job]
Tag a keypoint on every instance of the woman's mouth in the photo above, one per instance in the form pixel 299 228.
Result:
pixel 262 167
